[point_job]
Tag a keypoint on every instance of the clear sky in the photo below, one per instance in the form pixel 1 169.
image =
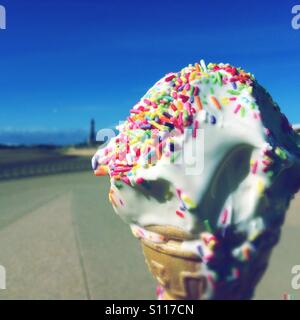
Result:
pixel 65 61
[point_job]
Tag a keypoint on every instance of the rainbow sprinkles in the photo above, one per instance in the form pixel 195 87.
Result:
pixel 170 106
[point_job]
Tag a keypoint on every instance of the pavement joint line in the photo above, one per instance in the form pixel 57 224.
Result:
pixel 80 255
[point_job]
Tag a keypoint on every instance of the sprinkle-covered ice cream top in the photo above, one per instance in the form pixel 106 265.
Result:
pixel 208 151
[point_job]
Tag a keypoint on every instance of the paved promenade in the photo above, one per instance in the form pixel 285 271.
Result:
pixel 60 239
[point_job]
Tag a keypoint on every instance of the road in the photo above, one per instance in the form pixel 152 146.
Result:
pixel 60 239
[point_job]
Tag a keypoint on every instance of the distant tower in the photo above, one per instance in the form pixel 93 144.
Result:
pixel 92 135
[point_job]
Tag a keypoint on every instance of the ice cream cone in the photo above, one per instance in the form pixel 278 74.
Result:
pixel 178 272
pixel 182 275
pixel 235 203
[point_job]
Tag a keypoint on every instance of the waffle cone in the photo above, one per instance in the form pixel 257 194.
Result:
pixel 178 272
pixel 182 275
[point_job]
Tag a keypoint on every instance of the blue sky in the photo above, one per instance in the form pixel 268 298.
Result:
pixel 65 61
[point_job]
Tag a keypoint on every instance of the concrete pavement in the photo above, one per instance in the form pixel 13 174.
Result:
pixel 60 239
